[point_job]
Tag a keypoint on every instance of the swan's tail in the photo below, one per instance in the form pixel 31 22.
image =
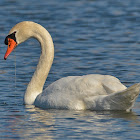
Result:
pixel 123 100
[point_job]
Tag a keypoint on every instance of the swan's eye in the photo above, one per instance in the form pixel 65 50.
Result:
pixel 6 41
pixel 12 36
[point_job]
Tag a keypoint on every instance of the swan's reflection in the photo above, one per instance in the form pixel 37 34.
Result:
pixel 40 123
pixel 51 124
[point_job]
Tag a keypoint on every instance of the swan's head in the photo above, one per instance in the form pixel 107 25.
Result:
pixel 18 34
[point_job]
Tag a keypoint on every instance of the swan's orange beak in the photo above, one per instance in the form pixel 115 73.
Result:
pixel 11 46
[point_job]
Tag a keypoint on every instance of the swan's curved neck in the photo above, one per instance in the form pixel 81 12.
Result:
pixel 36 84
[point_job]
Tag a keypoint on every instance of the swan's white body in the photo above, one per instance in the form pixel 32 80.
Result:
pixel 95 92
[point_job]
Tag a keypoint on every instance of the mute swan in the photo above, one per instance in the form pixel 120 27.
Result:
pixel 94 92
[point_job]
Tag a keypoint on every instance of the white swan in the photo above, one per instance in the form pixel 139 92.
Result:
pixel 94 92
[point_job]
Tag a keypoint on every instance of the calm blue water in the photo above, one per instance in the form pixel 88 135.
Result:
pixel 90 36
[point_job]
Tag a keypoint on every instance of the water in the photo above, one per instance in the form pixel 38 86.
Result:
pixel 90 36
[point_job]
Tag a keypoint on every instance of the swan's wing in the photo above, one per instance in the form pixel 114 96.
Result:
pixel 87 85
pixel 93 84
pixel 112 84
